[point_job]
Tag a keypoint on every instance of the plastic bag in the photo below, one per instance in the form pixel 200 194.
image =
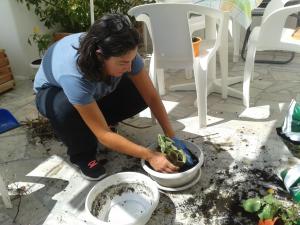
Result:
pixel 291 180
pixel 290 130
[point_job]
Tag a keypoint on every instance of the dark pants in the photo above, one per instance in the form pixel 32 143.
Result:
pixel 121 104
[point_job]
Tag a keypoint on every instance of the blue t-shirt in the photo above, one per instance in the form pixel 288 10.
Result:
pixel 66 75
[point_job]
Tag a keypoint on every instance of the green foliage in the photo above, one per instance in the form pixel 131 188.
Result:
pixel 176 156
pixel 290 216
pixel 252 204
pixel 41 40
pixel 70 15
pixel 74 15
pixel 268 207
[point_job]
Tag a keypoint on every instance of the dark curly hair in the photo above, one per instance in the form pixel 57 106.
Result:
pixel 111 35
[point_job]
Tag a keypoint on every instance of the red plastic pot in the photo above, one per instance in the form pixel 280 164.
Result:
pixel 268 221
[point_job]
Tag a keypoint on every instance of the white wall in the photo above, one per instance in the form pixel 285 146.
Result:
pixel 16 24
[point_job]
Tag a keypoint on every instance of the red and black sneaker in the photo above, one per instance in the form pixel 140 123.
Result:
pixel 91 169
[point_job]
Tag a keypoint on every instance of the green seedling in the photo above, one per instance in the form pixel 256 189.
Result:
pixel 173 154
pixel 268 207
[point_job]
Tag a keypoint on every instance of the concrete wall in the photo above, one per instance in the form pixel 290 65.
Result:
pixel 16 24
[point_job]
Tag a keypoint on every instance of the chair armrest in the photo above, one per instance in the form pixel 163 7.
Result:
pixel 276 20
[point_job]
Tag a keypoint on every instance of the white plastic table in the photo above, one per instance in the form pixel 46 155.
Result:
pixel 240 13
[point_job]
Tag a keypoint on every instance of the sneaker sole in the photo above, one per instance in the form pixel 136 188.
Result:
pixel 93 179
pixel 89 178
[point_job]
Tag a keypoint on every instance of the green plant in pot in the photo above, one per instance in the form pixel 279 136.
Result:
pixel 175 155
pixel 272 211
pixel 42 42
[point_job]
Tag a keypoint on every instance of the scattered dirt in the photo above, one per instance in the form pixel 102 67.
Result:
pixel 221 202
pixel 135 167
pixel 217 199
pixel 218 202
pixel 217 147
pixel 39 130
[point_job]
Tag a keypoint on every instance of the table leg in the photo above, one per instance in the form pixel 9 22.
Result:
pixel 223 57
pixel 214 84
pixel 210 34
pixel 236 33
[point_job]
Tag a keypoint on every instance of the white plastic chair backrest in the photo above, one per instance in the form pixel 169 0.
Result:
pixel 144 18
pixel 196 22
pixel 273 22
pixel 170 32
pixel 272 6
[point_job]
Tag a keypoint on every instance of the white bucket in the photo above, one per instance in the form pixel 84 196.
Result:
pixel 126 198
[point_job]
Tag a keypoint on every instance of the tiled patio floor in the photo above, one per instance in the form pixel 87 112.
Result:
pixel 242 154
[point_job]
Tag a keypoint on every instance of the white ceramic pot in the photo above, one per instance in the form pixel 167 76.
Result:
pixel 126 198
pixel 35 64
pixel 175 180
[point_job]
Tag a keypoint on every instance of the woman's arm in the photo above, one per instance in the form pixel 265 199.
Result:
pixel 93 117
pixel 145 87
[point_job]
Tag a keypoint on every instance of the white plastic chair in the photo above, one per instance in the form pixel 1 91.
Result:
pixel 270 35
pixel 172 45
pixel 196 23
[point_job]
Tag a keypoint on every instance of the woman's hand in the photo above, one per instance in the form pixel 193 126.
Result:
pixel 161 164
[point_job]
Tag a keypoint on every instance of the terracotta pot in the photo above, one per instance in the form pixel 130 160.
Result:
pixel 196 45
pixel 58 36
pixel 267 222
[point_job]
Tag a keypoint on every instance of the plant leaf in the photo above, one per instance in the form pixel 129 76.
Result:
pixel 269 199
pixel 252 205
pixel 268 212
